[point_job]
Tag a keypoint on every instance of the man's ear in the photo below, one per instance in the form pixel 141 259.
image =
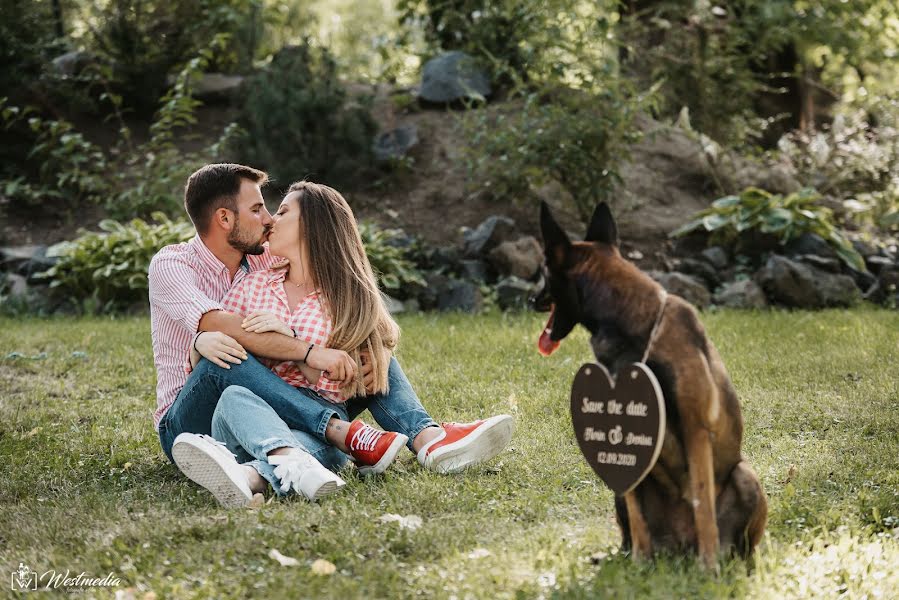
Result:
pixel 223 218
pixel 602 226
pixel 556 244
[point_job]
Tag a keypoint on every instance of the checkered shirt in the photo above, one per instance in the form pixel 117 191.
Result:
pixel 264 291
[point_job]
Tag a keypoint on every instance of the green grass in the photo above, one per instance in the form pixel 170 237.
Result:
pixel 84 485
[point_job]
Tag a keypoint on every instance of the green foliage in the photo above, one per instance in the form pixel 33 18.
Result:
pixel 786 217
pixel 110 267
pixel 151 176
pixel 574 138
pixel 69 169
pixel 392 262
pixel 523 40
pixel 299 121
pixel 27 41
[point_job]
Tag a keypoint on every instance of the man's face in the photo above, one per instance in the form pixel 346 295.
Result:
pixel 251 221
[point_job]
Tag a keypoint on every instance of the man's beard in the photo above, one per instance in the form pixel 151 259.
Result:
pixel 238 241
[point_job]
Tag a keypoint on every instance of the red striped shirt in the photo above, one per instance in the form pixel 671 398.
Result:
pixel 264 291
pixel 186 281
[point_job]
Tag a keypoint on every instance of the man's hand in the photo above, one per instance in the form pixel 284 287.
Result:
pixel 220 349
pixel 336 364
pixel 368 372
pixel 260 321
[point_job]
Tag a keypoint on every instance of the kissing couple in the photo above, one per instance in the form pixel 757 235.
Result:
pixel 270 337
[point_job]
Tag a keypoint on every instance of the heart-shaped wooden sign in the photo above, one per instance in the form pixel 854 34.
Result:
pixel 619 424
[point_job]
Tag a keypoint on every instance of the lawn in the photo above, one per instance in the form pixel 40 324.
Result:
pixel 85 487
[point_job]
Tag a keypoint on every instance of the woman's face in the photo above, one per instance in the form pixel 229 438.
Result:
pixel 284 238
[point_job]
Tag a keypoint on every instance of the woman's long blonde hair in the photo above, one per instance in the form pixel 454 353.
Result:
pixel 344 278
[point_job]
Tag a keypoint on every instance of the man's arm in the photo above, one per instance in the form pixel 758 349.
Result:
pixel 337 364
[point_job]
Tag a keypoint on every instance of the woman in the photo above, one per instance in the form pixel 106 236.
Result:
pixel 326 294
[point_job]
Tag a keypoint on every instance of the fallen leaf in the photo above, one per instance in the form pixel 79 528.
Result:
pixel 284 561
pixel 410 522
pixel 323 567
pixel 478 553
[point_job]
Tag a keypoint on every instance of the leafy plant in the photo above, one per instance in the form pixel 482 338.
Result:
pixel 70 169
pixel 111 266
pixel 299 122
pixel 786 217
pixel 392 262
pixel 573 137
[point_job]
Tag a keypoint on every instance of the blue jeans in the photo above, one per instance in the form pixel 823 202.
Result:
pixel 301 409
pixel 251 429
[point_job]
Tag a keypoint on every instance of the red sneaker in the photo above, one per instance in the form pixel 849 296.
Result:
pixel 373 449
pixel 462 445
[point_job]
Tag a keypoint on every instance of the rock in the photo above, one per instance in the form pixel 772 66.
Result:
pixel 715 256
pixel 413 305
pixel 521 258
pixel 687 287
pixel 72 63
pixel 810 243
pixel 451 77
pixel 701 270
pixel 801 286
pixel 741 294
pixel 864 280
pixel 444 258
pixel 15 286
pixel 831 265
pixel 877 263
pixel 864 248
pixel 461 296
pixel 474 269
pixel 212 87
pixel 25 260
pixel 513 292
pixel 394 306
pixel 488 235
pixel 395 143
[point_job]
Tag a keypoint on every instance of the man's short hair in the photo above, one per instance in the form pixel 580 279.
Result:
pixel 216 186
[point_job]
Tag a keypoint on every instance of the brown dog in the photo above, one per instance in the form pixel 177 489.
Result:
pixel 700 494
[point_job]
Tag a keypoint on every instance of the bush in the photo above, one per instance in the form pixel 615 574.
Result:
pixel 109 269
pixel 392 261
pixel 27 42
pixel 786 217
pixel 70 170
pixel 573 137
pixel 298 121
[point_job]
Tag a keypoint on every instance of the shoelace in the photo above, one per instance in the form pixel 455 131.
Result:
pixel 215 442
pixel 365 438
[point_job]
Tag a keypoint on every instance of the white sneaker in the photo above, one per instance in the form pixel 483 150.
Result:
pixel 208 463
pixel 300 471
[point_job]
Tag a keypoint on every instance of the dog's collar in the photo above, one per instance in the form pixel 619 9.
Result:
pixel 663 299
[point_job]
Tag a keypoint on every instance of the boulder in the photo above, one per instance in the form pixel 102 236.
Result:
pixel 701 270
pixel 217 87
pixel 877 263
pixel 14 286
pixel 810 243
pixel 741 294
pixel 474 269
pixel 798 285
pixel 686 286
pixel 715 256
pixel 513 292
pixel 25 260
pixel 831 265
pixel 396 143
pixel 460 295
pixel 72 63
pixel 452 77
pixel 492 232
pixel 521 258
pixel 444 258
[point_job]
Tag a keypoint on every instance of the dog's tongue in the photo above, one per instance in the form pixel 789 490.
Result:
pixel 546 346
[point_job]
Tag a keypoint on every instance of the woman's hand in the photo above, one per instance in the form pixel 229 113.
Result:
pixel 261 322
pixel 219 349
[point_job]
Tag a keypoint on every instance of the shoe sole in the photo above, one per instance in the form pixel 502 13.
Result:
pixel 484 443
pixel 330 486
pixel 387 459
pixel 204 470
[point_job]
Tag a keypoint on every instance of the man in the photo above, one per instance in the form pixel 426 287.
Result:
pixel 188 282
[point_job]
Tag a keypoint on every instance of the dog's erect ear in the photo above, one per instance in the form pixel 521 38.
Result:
pixel 555 241
pixel 602 226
